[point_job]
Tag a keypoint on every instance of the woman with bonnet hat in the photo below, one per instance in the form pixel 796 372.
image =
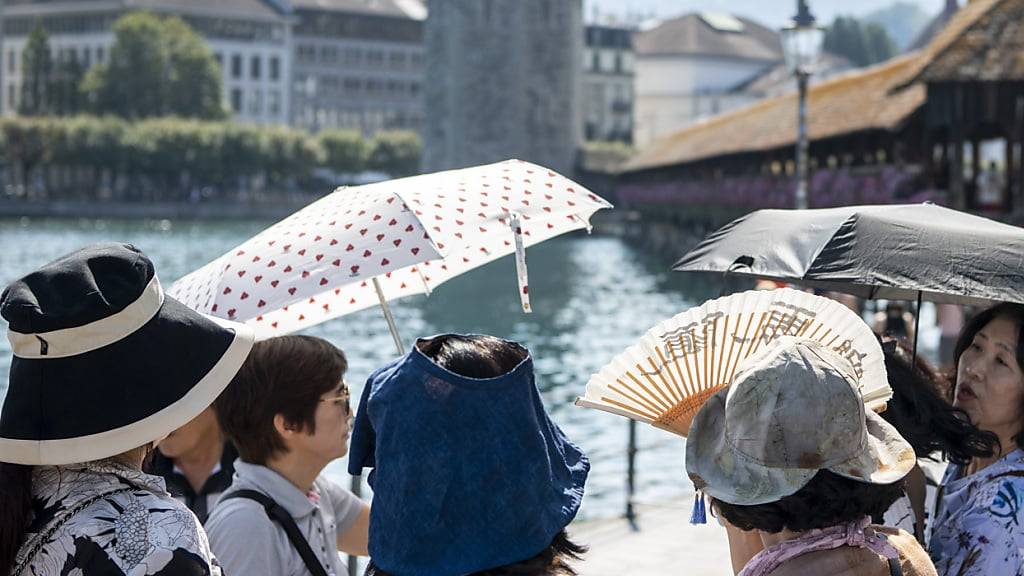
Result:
pixel 796 467
pixel 470 476
pixel 105 365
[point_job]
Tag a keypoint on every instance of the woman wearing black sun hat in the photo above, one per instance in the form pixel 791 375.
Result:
pixel 105 365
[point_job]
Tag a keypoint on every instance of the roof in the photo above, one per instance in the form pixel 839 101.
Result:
pixel 695 35
pixel 850 102
pixel 935 25
pixel 881 97
pixel 414 9
pixel 991 48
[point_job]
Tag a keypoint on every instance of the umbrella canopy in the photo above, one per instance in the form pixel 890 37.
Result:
pixel 409 235
pixel 895 252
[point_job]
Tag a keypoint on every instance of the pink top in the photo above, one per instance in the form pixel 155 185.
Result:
pixel 851 534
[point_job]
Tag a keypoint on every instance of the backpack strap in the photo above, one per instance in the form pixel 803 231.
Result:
pixel 282 517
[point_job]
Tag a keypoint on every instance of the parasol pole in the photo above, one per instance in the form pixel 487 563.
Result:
pixel 917 327
pixel 388 317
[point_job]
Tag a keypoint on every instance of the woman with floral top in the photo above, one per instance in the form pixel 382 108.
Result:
pixel 104 367
pixel 979 528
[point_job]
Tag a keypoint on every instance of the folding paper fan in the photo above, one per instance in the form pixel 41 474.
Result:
pixel 665 378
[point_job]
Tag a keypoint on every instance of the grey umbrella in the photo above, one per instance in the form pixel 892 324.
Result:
pixel 894 252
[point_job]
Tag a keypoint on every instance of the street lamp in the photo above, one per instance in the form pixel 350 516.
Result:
pixel 801 45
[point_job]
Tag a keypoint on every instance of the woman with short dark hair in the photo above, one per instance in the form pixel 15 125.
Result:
pixel 978 529
pixel 470 476
pixel 288 413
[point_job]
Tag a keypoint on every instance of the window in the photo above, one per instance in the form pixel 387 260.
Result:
pixel 11 92
pixel 397 60
pixel 353 56
pixel 236 67
pixel 101 54
pixel 306 53
pixel 329 54
pixel 255 65
pixel 236 99
pixel 352 85
pixel 87 58
pixel 275 68
pixel 375 57
pixel 220 59
pixel 12 59
pixel 618 62
pixel 273 102
pixel 595 61
pixel 256 103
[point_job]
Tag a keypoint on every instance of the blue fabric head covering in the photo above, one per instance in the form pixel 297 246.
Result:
pixel 469 474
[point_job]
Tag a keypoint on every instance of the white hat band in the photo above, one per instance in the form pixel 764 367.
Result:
pixel 94 335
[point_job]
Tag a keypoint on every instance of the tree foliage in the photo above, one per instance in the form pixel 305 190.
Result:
pixel 157 67
pixel 36 74
pixel 862 44
pixel 397 153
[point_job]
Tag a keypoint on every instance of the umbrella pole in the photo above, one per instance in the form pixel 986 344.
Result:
pixel 917 327
pixel 388 317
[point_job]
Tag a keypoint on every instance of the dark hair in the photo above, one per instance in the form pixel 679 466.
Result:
pixel 286 375
pixel 473 356
pixel 15 511
pixel 551 561
pixel 1008 310
pixel 828 499
pixel 923 417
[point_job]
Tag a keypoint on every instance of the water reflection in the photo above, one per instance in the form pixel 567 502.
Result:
pixel 592 297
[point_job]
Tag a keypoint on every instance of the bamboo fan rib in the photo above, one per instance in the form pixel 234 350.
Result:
pixel 665 378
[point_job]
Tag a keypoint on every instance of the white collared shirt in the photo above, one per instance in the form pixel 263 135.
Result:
pixel 247 542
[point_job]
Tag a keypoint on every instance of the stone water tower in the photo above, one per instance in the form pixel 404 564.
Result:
pixel 503 81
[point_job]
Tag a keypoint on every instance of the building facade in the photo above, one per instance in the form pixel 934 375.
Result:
pixel 608 75
pixel 358 65
pixel 696 66
pixel 312 64
pixel 503 81
pixel 250 39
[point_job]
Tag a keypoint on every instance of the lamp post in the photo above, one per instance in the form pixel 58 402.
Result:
pixel 801 45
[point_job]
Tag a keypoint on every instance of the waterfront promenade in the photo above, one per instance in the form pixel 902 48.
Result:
pixel 666 544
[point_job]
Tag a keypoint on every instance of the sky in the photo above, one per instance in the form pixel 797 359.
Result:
pixel 773 13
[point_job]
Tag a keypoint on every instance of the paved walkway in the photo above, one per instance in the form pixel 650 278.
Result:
pixel 666 545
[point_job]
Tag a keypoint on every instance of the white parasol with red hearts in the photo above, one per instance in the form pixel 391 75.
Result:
pixel 366 245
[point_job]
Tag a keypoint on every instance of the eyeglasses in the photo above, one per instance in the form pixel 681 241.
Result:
pixel 342 399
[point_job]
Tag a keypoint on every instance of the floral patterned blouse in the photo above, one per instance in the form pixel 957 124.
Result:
pixel 979 527
pixel 117 521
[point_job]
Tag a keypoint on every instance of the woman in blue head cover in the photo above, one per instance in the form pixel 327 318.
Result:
pixel 470 476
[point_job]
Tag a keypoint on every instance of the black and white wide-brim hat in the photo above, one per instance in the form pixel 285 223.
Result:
pixel 104 362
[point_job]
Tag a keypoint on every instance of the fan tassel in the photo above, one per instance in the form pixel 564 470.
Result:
pixel 699 514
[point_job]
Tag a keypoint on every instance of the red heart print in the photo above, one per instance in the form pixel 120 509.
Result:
pixel 334 241
pixel 349 248
pixel 302 317
pixel 337 262
pixel 367 253
pixel 361 212
pixel 255 258
pixel 227 290
pixel 302 252
pixel 392 222
pixel 214 309
pixel 318 238
pixel 415 251
pixel 261 303
pixel 287 247
pixel 274 325
pixel 363 231
pixel 319 257
pixel 292 290
pixel 271 264
pixel 347 226
pixel 323 281
pixel 376 217
pixel 355 269
pixel 385 262
pixel 240 253
pixel 274 283
pixel 258 278
pixel 397 242
pixel 409 228
pixel 326 307
pixel 288 269
pixel 380 237
pixel 241 273
pixel 231 313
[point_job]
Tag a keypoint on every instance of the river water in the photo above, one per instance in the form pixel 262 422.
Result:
pixel 592 297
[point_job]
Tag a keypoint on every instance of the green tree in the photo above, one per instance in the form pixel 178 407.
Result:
pixel 65 87
pixel 344 150
pixel 157 67
pixel 396 153
pixel 37 74
pixel 859 43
